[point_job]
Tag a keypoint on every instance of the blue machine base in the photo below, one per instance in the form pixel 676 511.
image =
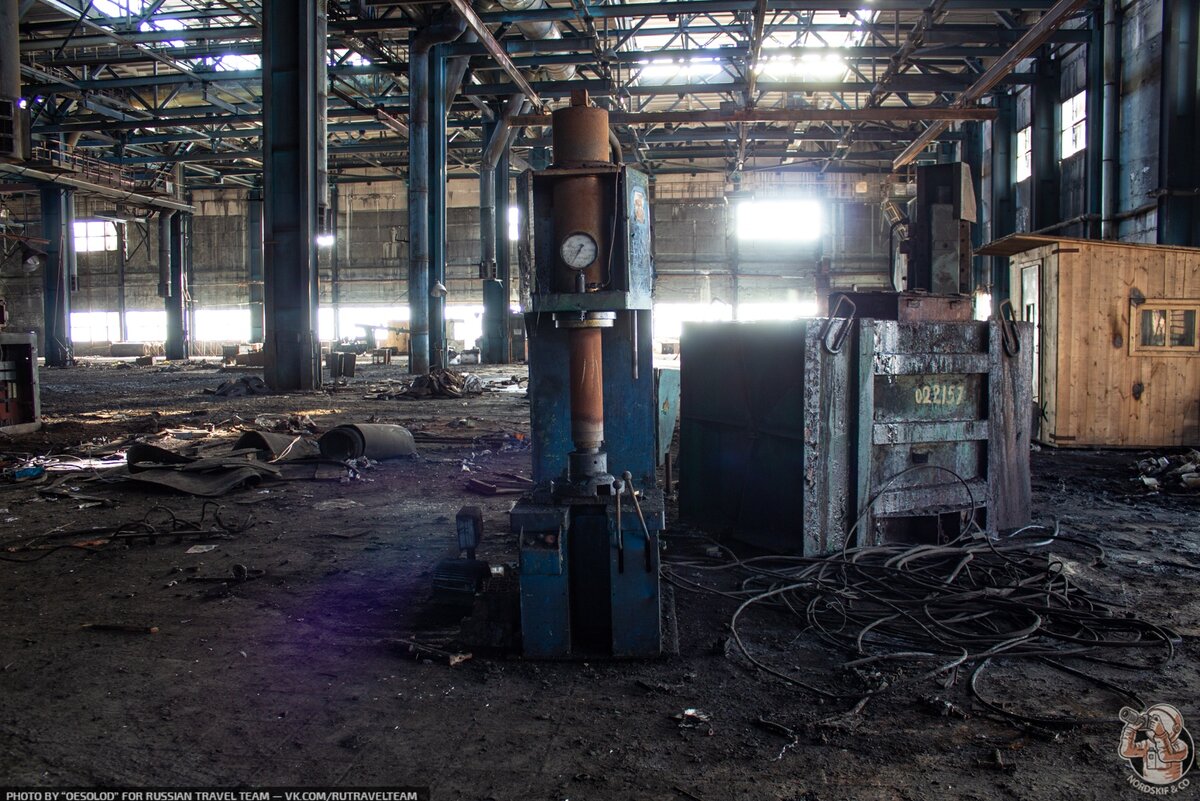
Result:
pixel 589 589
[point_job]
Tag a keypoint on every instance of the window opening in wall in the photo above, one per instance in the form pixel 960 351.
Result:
pixel 779 220
pixel 1166 327
pixel 1024 153
pixel 514 223
pixel 222 325
pixel 93 236
pixel 1074 124
pixel 95 327
pixel 146 326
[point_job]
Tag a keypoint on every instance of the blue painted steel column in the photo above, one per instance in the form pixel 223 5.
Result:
pixel 254 261
pixel 176 300
pixel 1179 165
pixel 291 58
pixel 503 254
pixel 437 204
pixel 418 187
pixel 1003 190
pixel 58 229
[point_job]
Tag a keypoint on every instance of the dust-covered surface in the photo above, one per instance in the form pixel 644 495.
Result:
pixel 294 676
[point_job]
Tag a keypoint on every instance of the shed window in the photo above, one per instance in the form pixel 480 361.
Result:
pixel 1074 125
pixel 1024 153
pixel 1164 326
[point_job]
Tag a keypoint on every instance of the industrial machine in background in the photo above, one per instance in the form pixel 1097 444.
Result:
pixel 20 396
pixel 588 533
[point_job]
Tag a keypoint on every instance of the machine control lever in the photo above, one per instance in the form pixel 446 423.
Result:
pixel 642 519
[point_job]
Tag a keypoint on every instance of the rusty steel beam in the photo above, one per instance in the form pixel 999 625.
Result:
pixel 888 114
pixel 1033 38
pixel 494 48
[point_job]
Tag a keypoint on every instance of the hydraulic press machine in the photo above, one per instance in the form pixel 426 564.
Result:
pixel 588 532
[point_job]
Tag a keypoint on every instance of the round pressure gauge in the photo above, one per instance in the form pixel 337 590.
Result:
pixel 578 251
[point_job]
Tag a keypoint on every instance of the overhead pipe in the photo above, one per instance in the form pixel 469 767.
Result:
pixel 1110 121
pixel 418 186
pixel 501 139
pixel 536 30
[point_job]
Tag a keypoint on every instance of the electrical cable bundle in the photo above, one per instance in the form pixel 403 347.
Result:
pixel 944 609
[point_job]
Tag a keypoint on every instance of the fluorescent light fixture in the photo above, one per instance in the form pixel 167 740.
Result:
pixel 325 240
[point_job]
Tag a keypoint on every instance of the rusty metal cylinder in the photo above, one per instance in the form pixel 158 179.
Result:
pixel 587 389
pixel 580 136
pixel 580 207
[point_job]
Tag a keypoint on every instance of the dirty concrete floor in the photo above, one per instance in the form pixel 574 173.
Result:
pixel 295 679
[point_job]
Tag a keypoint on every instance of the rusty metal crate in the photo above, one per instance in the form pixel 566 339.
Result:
pixel 787 441
pixel 764 435
pixel 943 428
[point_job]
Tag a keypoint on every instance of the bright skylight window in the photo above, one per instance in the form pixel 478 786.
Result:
pixel 1074 125
pixel 779 220
pixel 231 63
pixel 811 66
pixel 165 25
pixel 95 236
pixel 1024 153
pixel 667 69
pixel 119 8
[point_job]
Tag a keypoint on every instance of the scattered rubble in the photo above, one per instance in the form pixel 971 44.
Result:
pixel 1177 472
pixel 240 387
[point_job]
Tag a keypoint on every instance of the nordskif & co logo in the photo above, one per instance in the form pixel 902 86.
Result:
pixel 1158 749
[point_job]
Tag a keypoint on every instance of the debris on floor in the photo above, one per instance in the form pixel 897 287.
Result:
pixel 208 477
pixel 1178 472
pixel 240 387
pixel 903 615
pixel 441 383
pixel 375 441
pixel 425 652
pixel 503 484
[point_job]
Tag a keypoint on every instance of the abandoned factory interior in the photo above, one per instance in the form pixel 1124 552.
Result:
pixel 599 400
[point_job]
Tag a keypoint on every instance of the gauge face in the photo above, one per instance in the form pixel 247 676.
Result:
pixel 578 251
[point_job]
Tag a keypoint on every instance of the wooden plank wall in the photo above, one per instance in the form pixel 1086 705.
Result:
pixel 1085 318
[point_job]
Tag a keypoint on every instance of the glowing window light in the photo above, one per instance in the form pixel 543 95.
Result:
pixel 779 220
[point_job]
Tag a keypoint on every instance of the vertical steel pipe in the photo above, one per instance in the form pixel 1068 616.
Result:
pixel 164 253
pixel 10 72
pixel 56 287
pixel 418 186
pixel 1110 120
pixel 437 205
pixel 503 253
pixel 176 346
pixel 254 261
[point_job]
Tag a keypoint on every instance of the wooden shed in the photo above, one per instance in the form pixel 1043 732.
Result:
pixel 1117 362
